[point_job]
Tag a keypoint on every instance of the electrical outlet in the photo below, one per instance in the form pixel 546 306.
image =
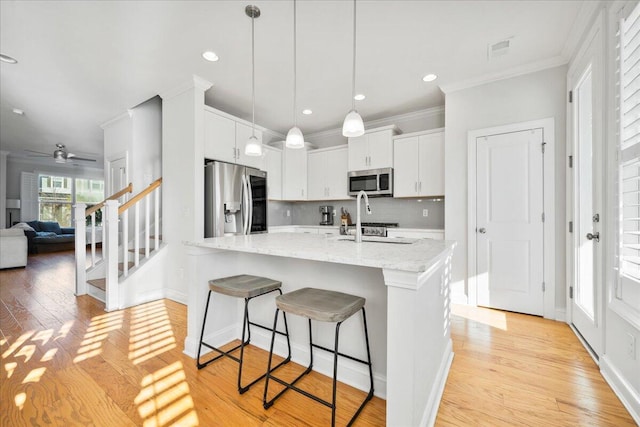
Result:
pixel 631 346
pixel 425 212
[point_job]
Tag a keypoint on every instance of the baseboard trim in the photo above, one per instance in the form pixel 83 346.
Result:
pixel 629 397
pixel 561 315
pixel 177 296
pixel 431 411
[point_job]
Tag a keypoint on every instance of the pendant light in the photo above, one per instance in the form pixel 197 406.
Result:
pixel 294 136
pixel 253 146
pixel 353 125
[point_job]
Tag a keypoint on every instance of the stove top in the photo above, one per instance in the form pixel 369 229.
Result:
pixel 375 228
pixel 380 224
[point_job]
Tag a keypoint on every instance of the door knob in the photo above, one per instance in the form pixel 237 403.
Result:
pixel 482 230
pixel 594 236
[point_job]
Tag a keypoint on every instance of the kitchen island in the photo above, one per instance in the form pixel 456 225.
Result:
pixel 405 283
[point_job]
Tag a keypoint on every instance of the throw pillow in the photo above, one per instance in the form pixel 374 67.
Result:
pixel 47 234
pixel 23 226
pixel 35 225
pixel 50 226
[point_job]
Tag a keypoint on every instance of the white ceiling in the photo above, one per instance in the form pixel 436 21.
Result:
pixel 82 63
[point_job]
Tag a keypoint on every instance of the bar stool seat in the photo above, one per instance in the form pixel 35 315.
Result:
pixel 323 306
pixel 247 287
pixel 320 305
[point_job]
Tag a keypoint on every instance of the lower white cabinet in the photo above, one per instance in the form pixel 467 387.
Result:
pixel 416 234
pixel 327 174
pixel 419 164
pixel 294 174
pixel 272 163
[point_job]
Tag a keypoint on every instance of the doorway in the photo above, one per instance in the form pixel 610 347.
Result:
pixel 585 178
pixel 511 242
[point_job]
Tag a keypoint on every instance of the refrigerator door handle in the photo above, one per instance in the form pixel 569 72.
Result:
pixel 250 204
pixel 245 205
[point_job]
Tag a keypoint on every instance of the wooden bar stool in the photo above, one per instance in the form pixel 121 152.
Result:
pixel 323 306
pixel 247 287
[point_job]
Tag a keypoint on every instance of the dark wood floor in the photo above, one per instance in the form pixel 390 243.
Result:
pixel 66 362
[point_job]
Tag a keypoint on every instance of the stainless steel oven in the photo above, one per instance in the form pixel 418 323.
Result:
pixel 375 182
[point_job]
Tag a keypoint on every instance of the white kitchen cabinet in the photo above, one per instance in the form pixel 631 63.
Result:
pixel 327 174
pixel 416 233
pixel 373 150
pixel 272 163
pixel 419 165
pixel 294 174
pixel 225 138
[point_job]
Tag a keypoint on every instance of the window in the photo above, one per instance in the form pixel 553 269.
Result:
pixel 627 292
pixel 57 194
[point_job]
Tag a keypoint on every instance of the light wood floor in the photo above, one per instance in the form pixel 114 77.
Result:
pixel 66 362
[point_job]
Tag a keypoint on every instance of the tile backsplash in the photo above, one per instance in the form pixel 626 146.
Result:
pixel 408 213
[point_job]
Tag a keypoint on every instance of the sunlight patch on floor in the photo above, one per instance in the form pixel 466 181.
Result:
pixel 165 398
pixel 151 332
pixel 96 333
pixel 494 318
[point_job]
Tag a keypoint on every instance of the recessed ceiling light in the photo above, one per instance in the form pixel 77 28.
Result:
pixel 429 77
pixel 18 111
pixel 210 56
pixel 359 97
pixel 8 59
pixel 307 112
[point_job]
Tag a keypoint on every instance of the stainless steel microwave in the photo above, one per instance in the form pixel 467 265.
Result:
pixel 375 182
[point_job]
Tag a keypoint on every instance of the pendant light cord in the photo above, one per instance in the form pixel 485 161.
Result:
pixel 295 71
pixel 253 81
pixel 353 81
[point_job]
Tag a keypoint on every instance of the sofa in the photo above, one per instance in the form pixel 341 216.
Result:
pixel 13 248
pixel 48 236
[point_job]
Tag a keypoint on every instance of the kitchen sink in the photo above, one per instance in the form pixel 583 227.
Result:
pixel 374 239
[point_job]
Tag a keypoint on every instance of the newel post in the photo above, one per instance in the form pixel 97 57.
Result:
pixel 110 254
pixel 81 248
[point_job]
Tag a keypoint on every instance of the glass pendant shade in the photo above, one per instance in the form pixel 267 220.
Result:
pixel 253 147
pixel 295 138
pixel 353 125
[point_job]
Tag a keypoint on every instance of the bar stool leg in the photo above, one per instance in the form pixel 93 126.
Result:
pixel 335 375
pixel 204 322
pixel 266 383
pixel 245 327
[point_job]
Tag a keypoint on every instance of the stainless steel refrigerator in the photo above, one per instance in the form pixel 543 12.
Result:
pixel 235 200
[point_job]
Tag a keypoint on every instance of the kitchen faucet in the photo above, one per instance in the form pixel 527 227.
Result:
pixel 358 223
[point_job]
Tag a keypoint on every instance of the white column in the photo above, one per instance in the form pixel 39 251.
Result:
pixel 81 252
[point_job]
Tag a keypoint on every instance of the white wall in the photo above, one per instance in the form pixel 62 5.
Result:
pixel 524 98
pixel 3 188
pixel 145 163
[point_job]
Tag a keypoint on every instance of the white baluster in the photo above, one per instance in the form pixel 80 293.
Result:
pixel 93 239
pixel 147 206
pixel 156 219
pixel 125 243
pixel 110 238
pixel 136 236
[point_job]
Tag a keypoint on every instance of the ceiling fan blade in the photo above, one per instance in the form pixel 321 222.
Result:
pixel 74 158
pixel 38 152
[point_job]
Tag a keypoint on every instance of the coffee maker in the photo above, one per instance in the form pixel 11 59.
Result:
pixel 326 213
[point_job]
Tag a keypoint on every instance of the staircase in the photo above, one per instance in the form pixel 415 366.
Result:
pixel 129 272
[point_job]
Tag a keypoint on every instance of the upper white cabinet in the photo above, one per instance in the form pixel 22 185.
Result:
pixel 373 150
pixel 327 174
pixel 294 174
pixel 273 165
pixel 419 164
pixel 224 139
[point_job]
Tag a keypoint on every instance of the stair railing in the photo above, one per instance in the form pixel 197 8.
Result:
pixel 91 212
pixel 80 214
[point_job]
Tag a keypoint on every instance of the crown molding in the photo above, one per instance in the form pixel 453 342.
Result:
pixel 195 82
pixel 427 112
pixel 529 68
pixel 128 113
pixel 586 14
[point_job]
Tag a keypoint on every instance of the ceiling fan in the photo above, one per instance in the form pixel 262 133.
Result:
pixel 60 155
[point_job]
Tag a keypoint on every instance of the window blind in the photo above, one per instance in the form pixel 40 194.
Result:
pixel 628 105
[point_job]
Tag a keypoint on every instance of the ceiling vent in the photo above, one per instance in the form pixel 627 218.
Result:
pixel 500 48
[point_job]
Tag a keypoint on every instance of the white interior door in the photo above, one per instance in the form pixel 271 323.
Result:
pixel 509 219
pixel 117 177
pixel 586 302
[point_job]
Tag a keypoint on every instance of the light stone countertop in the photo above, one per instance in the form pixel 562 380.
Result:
pixel 416 257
